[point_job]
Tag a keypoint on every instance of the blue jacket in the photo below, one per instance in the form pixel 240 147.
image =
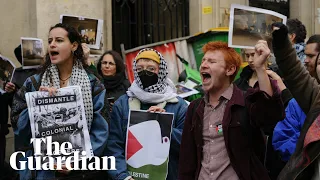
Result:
pixel 20 118
pixel 287 131
pixel 118 131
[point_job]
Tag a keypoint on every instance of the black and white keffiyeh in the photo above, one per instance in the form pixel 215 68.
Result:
pixel 78 77
pixel 163 90
pixel 162 76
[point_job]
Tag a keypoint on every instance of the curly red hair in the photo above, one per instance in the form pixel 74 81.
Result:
pixel 231 57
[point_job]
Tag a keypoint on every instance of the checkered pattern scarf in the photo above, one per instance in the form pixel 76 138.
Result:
pixel 78 77
pixel 162 76
pixel 162 91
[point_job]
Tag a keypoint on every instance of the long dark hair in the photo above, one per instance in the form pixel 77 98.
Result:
pixel 73 36
pixel 117 59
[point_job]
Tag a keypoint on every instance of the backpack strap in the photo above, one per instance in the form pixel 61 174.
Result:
pixel 35 84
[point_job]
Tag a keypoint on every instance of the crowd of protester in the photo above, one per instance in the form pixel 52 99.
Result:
pixel 263 125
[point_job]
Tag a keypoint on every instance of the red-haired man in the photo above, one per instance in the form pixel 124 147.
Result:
pixel 221 137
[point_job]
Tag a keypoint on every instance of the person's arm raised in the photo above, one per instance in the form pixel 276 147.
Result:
pixel 262 52
pixel 303 87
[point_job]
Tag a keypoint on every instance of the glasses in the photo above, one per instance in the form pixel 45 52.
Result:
pixel 105 63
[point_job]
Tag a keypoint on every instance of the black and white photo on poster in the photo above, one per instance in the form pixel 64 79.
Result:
pixel 61 116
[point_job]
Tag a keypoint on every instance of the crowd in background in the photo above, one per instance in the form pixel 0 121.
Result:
pixel 263 125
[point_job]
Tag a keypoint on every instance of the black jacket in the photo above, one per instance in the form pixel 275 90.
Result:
pixel 5 102
pixel 273 161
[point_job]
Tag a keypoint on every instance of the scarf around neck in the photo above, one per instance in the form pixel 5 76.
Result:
pixel 112 82
pixel 153 98
pixel 78 77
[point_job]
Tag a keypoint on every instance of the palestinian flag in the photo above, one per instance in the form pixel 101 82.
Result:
pixel 148 144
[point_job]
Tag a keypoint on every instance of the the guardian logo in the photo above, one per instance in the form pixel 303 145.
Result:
pixel 60 156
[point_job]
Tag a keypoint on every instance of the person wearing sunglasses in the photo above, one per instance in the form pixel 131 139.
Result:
pixel 151 90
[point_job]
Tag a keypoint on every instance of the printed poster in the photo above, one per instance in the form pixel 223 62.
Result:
pixel 7 68
pixel 184 91
pixel 90 29
pixel 148 144
pixel 62 117
pixel 248 25
pixel 32 52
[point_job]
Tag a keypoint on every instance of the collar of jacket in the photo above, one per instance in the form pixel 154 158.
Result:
pixel 236 99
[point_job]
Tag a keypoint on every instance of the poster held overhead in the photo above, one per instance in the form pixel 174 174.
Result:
pixel 32 52
pixel 90 29
pixel 248 25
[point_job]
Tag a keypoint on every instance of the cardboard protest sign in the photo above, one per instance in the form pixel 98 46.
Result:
pixel 148 144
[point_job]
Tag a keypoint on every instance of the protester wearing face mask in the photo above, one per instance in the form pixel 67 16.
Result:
pixel 151 90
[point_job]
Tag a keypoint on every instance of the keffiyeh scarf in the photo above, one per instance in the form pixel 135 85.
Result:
pixel 78 77
pixel 162 91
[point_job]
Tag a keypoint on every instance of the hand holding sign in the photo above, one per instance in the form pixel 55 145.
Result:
pixel 156 109
pixel 52 90
pixel 10 87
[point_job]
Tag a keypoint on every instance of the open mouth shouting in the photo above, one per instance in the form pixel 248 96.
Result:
pixel 206 77
pixel 53 55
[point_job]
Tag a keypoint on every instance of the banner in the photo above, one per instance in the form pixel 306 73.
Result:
pixel 148 144
pixel 62 117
